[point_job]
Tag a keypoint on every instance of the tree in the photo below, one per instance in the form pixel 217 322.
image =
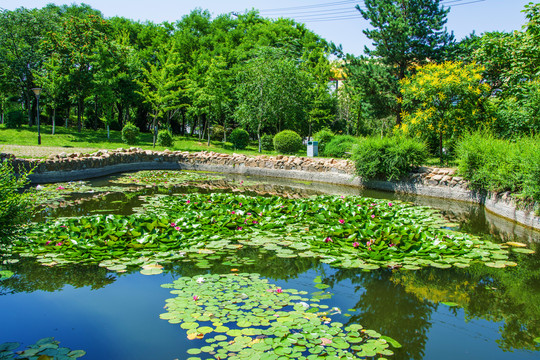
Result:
pixel 161 86
pixel 443 100
pixel 405 33
pixel 271 92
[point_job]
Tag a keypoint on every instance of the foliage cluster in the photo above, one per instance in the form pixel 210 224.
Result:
pixel 287 142
pixel 500 165
pixel 14 119
pixel 164 138
pixel 130 134
pixel 389 158
pixel 16 207
pixel 239 138
pixel 323 137
pixel 267 142
pixel 218 133
pixel 340 146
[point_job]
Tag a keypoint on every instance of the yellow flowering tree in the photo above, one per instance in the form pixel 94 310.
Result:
pixel 442 100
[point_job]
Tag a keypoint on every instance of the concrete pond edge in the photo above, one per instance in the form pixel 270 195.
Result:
pixel 426 181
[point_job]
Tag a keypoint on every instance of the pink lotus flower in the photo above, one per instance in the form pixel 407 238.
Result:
pixel 328 240
pixel 187 202
pixel 390 204
pixel 195 297
pixel 373 216
pixel 239 228
pixel 241 182
pixel 355 244
pixel 233 212
pixel 240 204
pixel 177 228
pixel 48 242
pixel 60 188
pixel 279 290
pixel 343 197
pixel 255 222
pixel 391 245
pixel 249 214
pixel 260 214
pixel 173 224
pixel 341 221
pixel 59 244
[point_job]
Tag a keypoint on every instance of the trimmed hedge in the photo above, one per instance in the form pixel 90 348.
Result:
pixel 287 142
pixel 500 165
pixel 267 142
pixel 239 138
pixel 164 138
pixel 130 133
pixel 389 158
pixel 340 146
pixel 218 133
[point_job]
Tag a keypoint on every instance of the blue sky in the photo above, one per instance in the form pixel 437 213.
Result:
pixel 335 20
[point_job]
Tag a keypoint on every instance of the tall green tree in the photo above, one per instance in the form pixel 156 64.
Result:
pixel 161 86
pixel 405 33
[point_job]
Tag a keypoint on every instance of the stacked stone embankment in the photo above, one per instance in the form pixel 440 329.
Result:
pixel 427 181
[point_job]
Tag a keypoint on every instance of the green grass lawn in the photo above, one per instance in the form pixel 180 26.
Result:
pixel 66 139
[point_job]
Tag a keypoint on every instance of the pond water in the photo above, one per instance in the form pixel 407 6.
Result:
pixel 476 312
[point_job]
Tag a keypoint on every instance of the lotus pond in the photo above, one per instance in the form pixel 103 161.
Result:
pixel 187 265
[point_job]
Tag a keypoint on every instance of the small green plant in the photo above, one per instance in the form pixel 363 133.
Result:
pixel 14 119
pixel 16 207
pixel 267 142
pixel 340 146
pixel 323 137
pixel 130 133
pixel 164 138
pixel 388 158
pixel 287 142
pixel 217 133
pixel 239 138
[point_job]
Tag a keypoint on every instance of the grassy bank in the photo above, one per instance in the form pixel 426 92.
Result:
pixel 23 142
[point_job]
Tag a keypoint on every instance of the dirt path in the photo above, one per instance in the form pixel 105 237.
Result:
pixel 37 152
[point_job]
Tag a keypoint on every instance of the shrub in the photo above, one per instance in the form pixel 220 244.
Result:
pixel 14 119
pixel 15 207
pixel 323 136
pixel 267 142
pixel 164 138
pixel 130 134
pixel 500 165
pixel 389 158
pixel 340 146
pixel 218 132
pixel 239 138
pixel 287 142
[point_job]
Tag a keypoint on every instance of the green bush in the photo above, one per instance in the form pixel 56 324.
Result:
pixel 389 158
pixel 287 142
pixel 340 146
pixel 218 133
pixel 164 138
pixel 130 133
pixel 16 207
pixel 239 138
pixel 14 119
pixel 500 165
pixel 323 136
pixel 267 142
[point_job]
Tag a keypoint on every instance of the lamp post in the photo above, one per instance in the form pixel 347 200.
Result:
pixel 37 92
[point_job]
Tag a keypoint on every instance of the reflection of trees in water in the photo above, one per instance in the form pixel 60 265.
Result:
pixel 31 276
pixel 387 308
pixel 508 295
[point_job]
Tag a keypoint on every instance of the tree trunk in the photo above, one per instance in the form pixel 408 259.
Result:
pixel 79 114
pixel 208 142
pixel 259 136
pixel 154 129
pixel 67 117
pixel 183 129
pixel 53 120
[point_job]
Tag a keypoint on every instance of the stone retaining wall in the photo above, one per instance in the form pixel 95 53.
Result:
pixel 435 182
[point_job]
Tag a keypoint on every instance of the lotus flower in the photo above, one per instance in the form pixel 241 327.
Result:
pixel 328 240
pixel 60 188
pixel 279 290
pixel 341 221
pixel 239 228
pixel 195 297
pixel 187 202
pixel 173 224
pixel 355 244
pixel 390 204
pixel 177 228
pixel 233 212
pixel 373 216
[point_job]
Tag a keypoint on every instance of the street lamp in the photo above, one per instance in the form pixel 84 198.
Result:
pixel 37 92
